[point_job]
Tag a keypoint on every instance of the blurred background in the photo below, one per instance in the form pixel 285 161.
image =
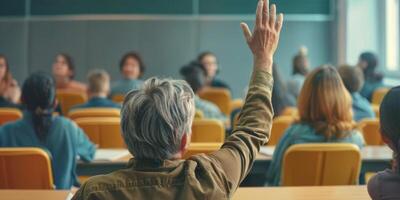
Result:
pixel 170 33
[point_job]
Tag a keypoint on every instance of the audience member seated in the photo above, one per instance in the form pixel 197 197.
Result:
pixel 58 136
pixel 99 88
pixel 281 99
pixel 64 73
pixel 156 125
pixel 10 92
pixel 325 116
pixel 353 79
pixel 368 62
pixel 195 76
pixel 209 63
pixel 300 71
pixel 132 69
pixel 386 184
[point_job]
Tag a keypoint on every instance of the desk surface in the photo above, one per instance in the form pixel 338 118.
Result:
pixel 303 193
pixel 34 194
pixel 281 193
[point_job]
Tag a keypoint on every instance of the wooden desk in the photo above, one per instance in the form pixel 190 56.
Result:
pixel 34 194
pixel 303 193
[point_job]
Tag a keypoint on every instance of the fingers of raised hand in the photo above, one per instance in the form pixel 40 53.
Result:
pixel 272 17
pixel 246 31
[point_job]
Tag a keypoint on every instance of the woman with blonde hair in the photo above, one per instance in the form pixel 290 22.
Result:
pixel 325 110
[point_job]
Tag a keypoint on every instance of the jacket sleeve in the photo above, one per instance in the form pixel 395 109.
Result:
pixel 234 160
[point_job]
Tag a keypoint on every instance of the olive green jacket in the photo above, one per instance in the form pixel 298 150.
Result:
pixel 213 176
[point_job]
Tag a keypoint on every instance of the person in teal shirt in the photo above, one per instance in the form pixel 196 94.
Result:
pixel 368 62
pixel 132 69
pixel 61 138
pixel 353 80
pixel 99 88
pixel 325 116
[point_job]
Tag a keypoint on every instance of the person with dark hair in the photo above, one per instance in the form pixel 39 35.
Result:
pixel 60 137
pixel 299 73
pixel 209 62
pixel 195 76
pixel 353 80
pixel 386 184
pixel 9 89
pixel 99 88
pixel 368 62
pixel 132 69
pixel 281 99
pixel 64 74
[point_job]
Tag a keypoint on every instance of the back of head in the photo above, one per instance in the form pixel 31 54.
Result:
pixel 195 75
pixel 389 121
pixel 99 81
pixel 325 104
pixel 156 117
pixel 353 78
pixel 300 62
pixel 38 95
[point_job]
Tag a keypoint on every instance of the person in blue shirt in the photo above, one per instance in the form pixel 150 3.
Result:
pixel 99 88
pixel 325 116
pixel 60 137
pixel 132 69
pixel 368 62
pixel 353 80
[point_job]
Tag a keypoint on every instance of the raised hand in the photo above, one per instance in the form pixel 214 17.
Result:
pixel 265 37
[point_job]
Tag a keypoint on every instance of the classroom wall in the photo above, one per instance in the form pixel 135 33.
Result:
pixel 166 42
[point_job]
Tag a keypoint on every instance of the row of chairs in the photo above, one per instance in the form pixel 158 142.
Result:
pixel 303 165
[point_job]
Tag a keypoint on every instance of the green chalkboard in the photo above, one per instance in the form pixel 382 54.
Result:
pixel 12 7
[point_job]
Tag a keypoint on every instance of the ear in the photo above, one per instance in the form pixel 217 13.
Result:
pixel 184 144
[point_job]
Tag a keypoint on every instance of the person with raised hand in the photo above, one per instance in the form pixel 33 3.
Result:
pixel 156 125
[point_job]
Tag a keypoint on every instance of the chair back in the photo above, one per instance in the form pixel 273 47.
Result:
pixel 378 95
pixel 69 99
pixel 199 148
pixel 207 130
pixel 103 131
pixel 279 126
pixel 94 112
pixel 9 115
pixel 220 97
pixel 321 164
pixel 118 98
pixel 25 168
pixel 290 111
pixel 370 129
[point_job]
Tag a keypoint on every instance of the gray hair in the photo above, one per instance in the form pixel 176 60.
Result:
pixel 155 117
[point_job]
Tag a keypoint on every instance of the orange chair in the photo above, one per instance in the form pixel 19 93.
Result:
pixel 103 131
pixel 69 99
pixel 119 98
pixel 199 148
pixel 370 128
pixel 25 168
pixel 236 104
pixel 378 95
pixel 220 97
pixel 279 126
pixel 321 164
pixel 94 112
pixel 9 115
pixel 208 130
pixel 375 108
pixel 290 111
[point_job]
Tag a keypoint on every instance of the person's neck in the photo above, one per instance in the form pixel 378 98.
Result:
pixel 98 95
pixel 62 81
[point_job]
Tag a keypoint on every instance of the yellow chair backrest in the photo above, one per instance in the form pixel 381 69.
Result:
pixel 69 99
pixel 94 112
pixel 220 97
pixel 208 130
pixel 199 148
pixel 9 115
pixel 279 126
pixel 290 111
pixel 198 114
pixel 25 168
pixel 378 95
pixel 370 129
pixel 103 131
pixel 118 98
pixel 321 164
